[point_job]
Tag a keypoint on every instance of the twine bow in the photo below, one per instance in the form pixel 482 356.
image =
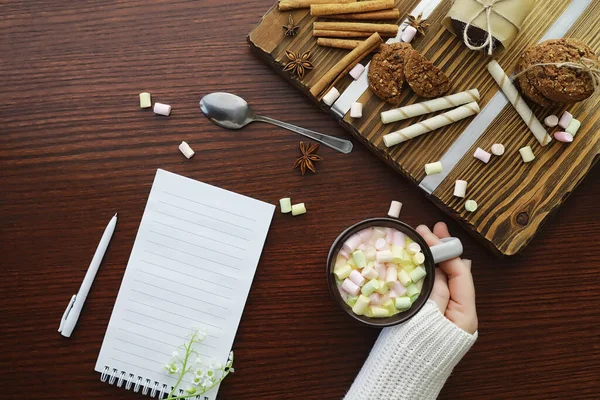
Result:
pixel 584 64
pixel 487 7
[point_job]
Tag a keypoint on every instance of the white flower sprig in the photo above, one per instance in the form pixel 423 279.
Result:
pixel 204 375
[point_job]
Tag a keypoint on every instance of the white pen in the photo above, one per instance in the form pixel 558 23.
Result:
pixel 69 318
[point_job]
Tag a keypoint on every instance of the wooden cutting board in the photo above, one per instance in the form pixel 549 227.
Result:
pixel 515 199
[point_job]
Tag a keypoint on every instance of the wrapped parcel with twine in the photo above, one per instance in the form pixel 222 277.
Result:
pixel 486 24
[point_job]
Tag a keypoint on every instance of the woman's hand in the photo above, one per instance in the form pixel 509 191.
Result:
pixel 453 289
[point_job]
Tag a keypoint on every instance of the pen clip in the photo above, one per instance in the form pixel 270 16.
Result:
pixel 66 313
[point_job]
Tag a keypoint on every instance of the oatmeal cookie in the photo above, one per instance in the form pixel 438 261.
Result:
pixel 386 71
pixel 525 85
pixel 425 79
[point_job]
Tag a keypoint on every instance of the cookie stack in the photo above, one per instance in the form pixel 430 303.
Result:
pixel 553 85
pixel 399 62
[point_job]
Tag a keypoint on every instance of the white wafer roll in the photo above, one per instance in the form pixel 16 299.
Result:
pixel 431 124
pixel 512 94
pixel 429 106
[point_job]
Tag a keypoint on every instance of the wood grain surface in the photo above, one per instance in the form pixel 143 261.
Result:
pixel 75 148
pixel 516 199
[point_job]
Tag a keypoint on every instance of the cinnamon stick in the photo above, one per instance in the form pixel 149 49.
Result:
pixel 351 8
pixel 383 14
pixel 339 43
pixel 345 64
pixel 348 34
pixel 391 29
pixel 285 5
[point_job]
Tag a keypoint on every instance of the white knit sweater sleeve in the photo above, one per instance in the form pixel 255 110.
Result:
pixel 412 360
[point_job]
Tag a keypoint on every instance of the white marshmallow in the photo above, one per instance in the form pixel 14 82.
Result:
pixel 356 110
pixel 460 188
pixel 357 71
pixel 408 34
pixel 527 154
pixel 350 287
pixel 351 244
pixel 399 239
pixel 381 244
pixel 414 248
pixel 395 208
pixel 482 155
pixel 497 149
pixel 162 109
pixel 391 275
pixel 551 121
pixel 565 120
pixel 384 256
pixel 366 234
pixel 331 96
pixel 186 150
pixel 371 253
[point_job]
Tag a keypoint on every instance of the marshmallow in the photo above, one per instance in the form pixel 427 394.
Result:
pixel 371 253
pixel 384 256
pixel 145 100
pixel 408 34
pixel 350 287
pixel 391 275
pixel 395 208
pixel 399 239
pixel 357 71
pixel 339 262
pixel 497 149
pixel 397 254
pixel 402 303
pixel 565 120
pixel 420 285
pixel 414 248
pixel 433 168
pixel 419 258
pixel 375 299
pixel 362 247
pixel 381 270
pixel 357 278
pixel 365 234
pixel 331 96
pixel 412 289
pixel 404 277
pixel 527 154
pixel 563 137
pixel 379 312
pixel 370 287
pixel 344 254
pixel 286 205
pixel 186 150
pixel 383 288
pixel 460 188
pixel 381 244
pixel 342 272
pixel 361 305
pixel 471 205
pixel 482 155
pixel 352 243
pixel 573 127
pixel 359 258
pixel 379 233
pixel 417 274
pixel 298 209
pixel 356 110
pixel 551 121
pixel 369 272
pixel 389 235
pixel 162 109
pixel 398 288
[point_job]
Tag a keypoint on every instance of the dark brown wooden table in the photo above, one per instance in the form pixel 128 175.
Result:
pixel 75 148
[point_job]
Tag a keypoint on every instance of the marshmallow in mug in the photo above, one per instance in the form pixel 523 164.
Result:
pixel 386 285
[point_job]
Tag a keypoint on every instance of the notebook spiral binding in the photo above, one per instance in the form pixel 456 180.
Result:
pixel 148 388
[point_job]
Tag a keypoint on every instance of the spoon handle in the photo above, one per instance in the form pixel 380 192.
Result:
pixel 341 145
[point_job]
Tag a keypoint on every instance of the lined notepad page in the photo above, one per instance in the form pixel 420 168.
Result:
pixel 192 264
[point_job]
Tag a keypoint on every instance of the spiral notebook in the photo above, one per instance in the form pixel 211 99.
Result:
pixel 191 266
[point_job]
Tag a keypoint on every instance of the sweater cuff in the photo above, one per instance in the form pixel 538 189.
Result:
pixel 412 360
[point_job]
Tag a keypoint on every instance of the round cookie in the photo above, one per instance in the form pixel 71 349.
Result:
pixel 425 79
pixel 386 71
pixel 525 85
pixel 564 84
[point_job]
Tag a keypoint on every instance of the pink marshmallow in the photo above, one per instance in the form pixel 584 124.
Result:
pixel 343 253
pixel 375 299
pixel 381 244
pixel 482 155
pixel 386 297
pixel 398 288
pixel 357 71
pixel 389 235
pixel 351 244
pixel 565 120
pixel 366 234
pixel 381 270
pixel 399 239
pixel 362 247
pixel 564 137
pixel 350 287
pixel 357 278
pixel 391 275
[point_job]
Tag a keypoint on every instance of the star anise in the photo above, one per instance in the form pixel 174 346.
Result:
pixel 418 23
pixel 290 29
pixel 298 64
pixel 308 158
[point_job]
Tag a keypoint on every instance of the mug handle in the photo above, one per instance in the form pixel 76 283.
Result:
pixel 449 248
